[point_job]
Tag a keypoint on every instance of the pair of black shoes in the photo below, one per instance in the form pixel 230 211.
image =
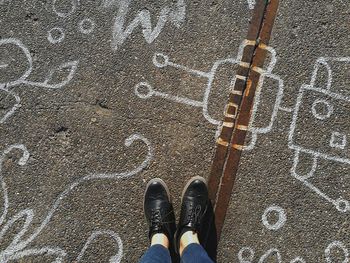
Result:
pixel 160 215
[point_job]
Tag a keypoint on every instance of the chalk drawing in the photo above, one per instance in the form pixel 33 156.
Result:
pixel 74 5
pixel 69 69
pixel 246 255
pixel 273 252
pixel 265 74
pixel 17 104
pixel 298 260
pixel 282 218
pixel 18 248
pixel 55 35
pixel 338 140
pixel 251 4
pixel 117 257
pixel 174 13
pixel 86 26
pixel 323 114
pixel 322 109
pixel 144 90
pixel 339 246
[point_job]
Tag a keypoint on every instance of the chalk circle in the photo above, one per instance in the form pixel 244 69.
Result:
pixel 281 217
pixel 321 109
pixel 86 26
pixel 160 60
pixel 144 90
pixel 74 4
pixel 342 205
pixel 246 255
pixel 55 35
pixel 336 245
pixel 298 260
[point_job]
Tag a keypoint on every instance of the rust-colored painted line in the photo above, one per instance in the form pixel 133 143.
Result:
pixel 227 156
pixel 233 105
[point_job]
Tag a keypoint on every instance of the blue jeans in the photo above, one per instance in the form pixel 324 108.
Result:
pixel 193 253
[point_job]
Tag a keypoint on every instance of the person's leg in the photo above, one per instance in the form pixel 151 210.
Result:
pixel 194 205
pixel 158 252
pixel 191 249
pixel 160 217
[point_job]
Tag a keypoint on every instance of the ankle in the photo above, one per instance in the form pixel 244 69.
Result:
pixel 187 238
pixel 160 239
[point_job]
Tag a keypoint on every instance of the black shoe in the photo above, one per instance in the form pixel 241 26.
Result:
pixel 158 210
pixel 194 205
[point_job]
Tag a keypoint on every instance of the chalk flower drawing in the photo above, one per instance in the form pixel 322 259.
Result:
pixel 19 246
pixel 7 85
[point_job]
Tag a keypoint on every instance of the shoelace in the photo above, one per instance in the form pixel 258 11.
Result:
pixel 194 215
pixel 156 219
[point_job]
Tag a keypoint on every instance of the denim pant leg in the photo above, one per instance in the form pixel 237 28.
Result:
pixel 195 253
pixel 156 254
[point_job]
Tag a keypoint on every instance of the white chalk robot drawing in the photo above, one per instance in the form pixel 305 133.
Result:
pixel 7 85
pixel 247 254
pixel 144 90
pixel 338 139
pixel 20 247
pixel 325 99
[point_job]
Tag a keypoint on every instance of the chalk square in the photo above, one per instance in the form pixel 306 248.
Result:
pixel 338 140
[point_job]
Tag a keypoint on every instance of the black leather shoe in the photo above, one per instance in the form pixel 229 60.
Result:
pixel 194 205
pixel 158 209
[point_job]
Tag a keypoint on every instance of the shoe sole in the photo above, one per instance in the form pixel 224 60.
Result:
pixel 200 178
pixel 158 180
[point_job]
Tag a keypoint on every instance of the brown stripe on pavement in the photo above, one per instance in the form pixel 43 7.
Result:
pixel 231 140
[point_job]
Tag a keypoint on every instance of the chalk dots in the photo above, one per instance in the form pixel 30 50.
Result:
pixel 86 26
pixel 321 109
pixel 160 60
pixel 144 90
pixel 342 205
pixel 336 245
pixel 282 218
pixel 246 255
pixel 55 35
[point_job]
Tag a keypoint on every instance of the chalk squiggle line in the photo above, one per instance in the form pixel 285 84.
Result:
pixel 175 14
pixel 17 246
pixel 14 107
pixel 117 257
